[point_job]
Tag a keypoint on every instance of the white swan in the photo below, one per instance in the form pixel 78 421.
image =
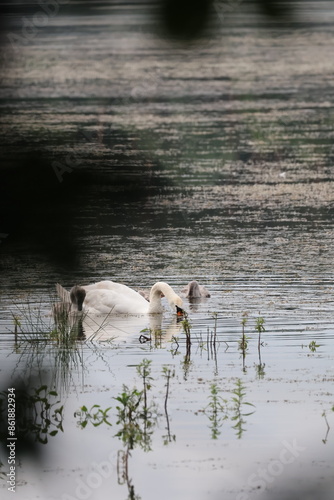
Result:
pixel 124 328
pixel 195 291
pixel 107 297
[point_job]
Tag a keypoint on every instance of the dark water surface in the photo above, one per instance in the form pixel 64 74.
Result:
pixel 131 157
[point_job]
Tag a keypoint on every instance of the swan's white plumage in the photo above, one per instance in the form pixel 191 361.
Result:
pixel 108 297
pixel 63 294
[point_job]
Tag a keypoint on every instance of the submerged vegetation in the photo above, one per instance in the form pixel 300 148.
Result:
pixel 168 373
pixel 259 327
pixel 135 416
pixel 95 415
pixel 138 415
pixel 243 342
pixel 313 346
pixel 38 413
pixel 187 358
pixel 220 409
pixel 67 330
pixel 239 393
pixel 216 411
pixel 324 415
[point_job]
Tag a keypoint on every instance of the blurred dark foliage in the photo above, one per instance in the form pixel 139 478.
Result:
pixel 275 8
pixel 36 209
pixel 25 414
pixel 39 213
pixel 186 19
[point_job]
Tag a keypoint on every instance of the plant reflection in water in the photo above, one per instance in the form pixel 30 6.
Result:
pixel 137 415
pixel 219 409
pixel 95 415
pixel 38 415
pixel 137 418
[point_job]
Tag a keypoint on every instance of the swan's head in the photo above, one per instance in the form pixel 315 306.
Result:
pixel 194 290
pixel 180 312
pixel 176 303
pixel 77 295
pixel 161 288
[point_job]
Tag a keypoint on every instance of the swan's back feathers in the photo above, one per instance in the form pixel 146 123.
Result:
pixel 108 297
pixel 105 301
pixel 63 294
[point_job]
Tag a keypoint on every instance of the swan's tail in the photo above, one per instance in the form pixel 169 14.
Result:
pixel 63 294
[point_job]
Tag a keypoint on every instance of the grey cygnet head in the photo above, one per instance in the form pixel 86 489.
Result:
pixel 77 296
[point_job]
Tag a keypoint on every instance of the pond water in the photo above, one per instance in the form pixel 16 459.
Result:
pixel 131 157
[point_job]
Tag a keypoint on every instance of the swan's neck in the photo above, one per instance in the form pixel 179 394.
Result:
pixel 77 295
pixel 155 297
pixel 194 290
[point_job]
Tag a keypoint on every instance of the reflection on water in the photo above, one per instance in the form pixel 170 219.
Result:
pixel 163 395
pixel 129 158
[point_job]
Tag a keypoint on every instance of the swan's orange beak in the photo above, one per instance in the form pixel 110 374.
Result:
pixel 179 311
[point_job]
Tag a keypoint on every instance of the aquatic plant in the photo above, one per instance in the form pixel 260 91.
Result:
pixel 95 415
pixel 58 337
pixel 129 417
pixel 237 408
pixel 17 324
pixel 136 422
pixel 186 329
pixel 216 411
pixel 259 327
pixel 220 409
pixel 144 371
pixel 244 322
pixel 212 342
pixel 174 351
pixel 123 473
pixel 52 321
pixel 259 367
pixel 33 321
pixel 168 373
pixel 327 424
pixel 243 342
pixel 214 339
pixel 328 428
pixel 136 416
pixel 313 346
pixel 186 361
pixel 37 414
